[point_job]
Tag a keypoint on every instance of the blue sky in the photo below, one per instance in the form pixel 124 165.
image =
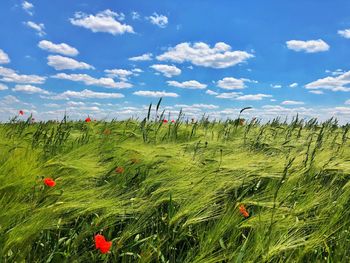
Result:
pixel 110 59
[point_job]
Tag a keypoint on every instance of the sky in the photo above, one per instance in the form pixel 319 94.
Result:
pixel 111 59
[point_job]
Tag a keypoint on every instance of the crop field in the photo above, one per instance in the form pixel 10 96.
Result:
pixel 182 190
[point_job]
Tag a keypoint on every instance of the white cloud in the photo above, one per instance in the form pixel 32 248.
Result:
pixel 155 94
pixel 311 46
pixel 191 84
pixel 144 57
pixel 29 89
pixel 317 92
pixel 9 75
pixel 337 83
pixel 104 21
pixel 60 63
pixel 293 85
pixel 3 87
pixel 39 28
pixel 159 20
pixel 167 70
pixel 122 74
pixel 199 106
pixel 344 33
pixel 292 102
pixel 201 54
pixel 232 83
pixel 211 92
pixel 277 86
pixel 86 94
pixel 28 7
pixel 88 80
pixel 4 58
pixel 62 48
pixel 253 97
pixel 135 15
pixel 228 95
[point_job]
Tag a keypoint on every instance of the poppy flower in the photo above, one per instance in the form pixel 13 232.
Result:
pixel 165 121
pixel 88 119
pixel 101 244
pixel 173 121
pixel 49 182
pixel 243 211
pixel 119 170
pixel 21 112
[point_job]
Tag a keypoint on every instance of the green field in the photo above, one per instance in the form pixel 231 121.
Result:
pixel 177 196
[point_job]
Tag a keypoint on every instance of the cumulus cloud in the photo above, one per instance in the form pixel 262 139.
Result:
pixel 122 74
pixel 337 83
pixel 105 21
pixel 60 63
pixel 90 81
pixel 292 102
pixel 344 33
pixel 155 94
pixel 293 85
pixel 167 70
pixel 62 48
pixel 232 83
pixel 29 89
pixel 240 96
pixel 3 87
pixel 310 46
pixel 39 28
pixel 28 7
pixel 191 84
pixel 199 106
pixel 158 20
pixel 135 15
pixel 9 75
pixel 228 95
pixel 317 92
pixel 4 58
pixel 144 57
pixel 201 54
pixel 86 94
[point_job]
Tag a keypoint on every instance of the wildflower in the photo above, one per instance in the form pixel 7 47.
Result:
pixel 88 119
pixel 173 121
pixel 119 170
pixel 21 112
pixel 49 182
pixel 165 121
pixel 101 244
pixel 243 211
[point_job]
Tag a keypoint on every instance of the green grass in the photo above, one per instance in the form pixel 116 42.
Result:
pixel 178 199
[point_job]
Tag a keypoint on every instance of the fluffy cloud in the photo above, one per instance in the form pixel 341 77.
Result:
pixel 191 84
pixel 104 21
pixel 90 81
pixel 211 92
pixel 144 57
pixel 9 75
pixel 311 46
pixel 166 70
pixel 29 89
pixel 155 94
pixel 39 28
pixel 4 58
pixel 62 48
pixel 159 20
pixel 28 7
pixel 337 83
pixel 293 85
pixel 135 15
pixel 199 106
pixel 201 54
pixel 228 95
pixel 3 87
pixel 344 33
pixel 122 74
pixel 292 102
pixel 86 94
pixel 240 96
pixel 317 92
pixel 232 83
pixel 60 63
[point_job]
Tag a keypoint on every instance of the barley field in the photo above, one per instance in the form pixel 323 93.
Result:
pixel 182 190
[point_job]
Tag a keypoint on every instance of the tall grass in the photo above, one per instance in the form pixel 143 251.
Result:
pixel 178 197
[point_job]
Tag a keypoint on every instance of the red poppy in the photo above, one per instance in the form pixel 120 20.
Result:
pixel 119 170
pixel 243 211
pixel 173 121
pixel 21 112
pixel 88 119
pixel 101 244
pixel 165 121
pixel 49 182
